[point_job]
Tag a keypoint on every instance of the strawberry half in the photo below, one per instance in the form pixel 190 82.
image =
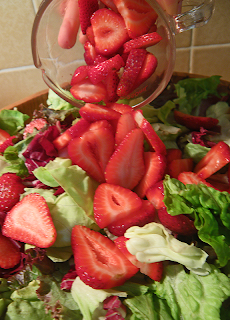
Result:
pixel 126 165
pixel 10 254
pixel 125 124
pixel 30 221
pixel 81 73
pixel 194 122
pixel 112 202
pixel 216 158
pixel 86 9
pixel 98 261
pixel 192 178
pixel 109 31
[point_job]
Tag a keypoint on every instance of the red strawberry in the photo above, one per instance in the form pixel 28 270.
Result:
pixel 11 188
pixel 143 41
pixel 112 202
pixel 194 122
pixel 92 151
pixel 79 74
pixel 90 53
pixel 138 15
pixel 99 58
pixel 173 154
pixel 148 68
pixel 155 165
pixel 180 224
pixel 90 35
pixel 88 92
pixel 99 72
pixel 3 136
pixel 154 141
pixel 30 221
pixel 175 167
pixel 132 68
pixel 86 9
pixel 109 31
pixel 10 254
pixel 92 112
pixel 75 130
pixel 126 166
pixel 111 83
pixel 110 4
pixel 125 124
pixel 34 124
pixel 192 178
pixel 98 262
pixel 155 194
pixel 7 143
pixel 120 107
pixel 217 157
pixel 140 217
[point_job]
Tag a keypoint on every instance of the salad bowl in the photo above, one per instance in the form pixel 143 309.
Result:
pixel 192 278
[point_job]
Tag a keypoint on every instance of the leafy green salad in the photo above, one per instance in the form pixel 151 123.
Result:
pixel 196 275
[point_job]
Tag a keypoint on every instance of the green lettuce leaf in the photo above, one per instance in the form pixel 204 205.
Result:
pixel 12 121
pixel 57 103
pixel 15 163
pixel 195 151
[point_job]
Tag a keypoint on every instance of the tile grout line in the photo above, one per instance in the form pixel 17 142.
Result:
pixel 17 69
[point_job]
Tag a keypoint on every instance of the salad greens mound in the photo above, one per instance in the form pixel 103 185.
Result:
pixel 196 277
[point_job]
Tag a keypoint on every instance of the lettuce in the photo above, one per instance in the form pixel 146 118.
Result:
pixel 12 121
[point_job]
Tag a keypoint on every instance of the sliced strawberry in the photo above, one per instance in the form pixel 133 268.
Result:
pixel 155 194
pixel 155 165
pixel 109 31
pixel 175 167
pixel 148 68
pixel 11 188
pixel 125 124
pixel 140 217
pixel 132 69
pixel 112 81
pixel 112 202
pixel 180 224
pixel 90 35
pixel 92 151
pixel 86 9
pixel 126 166
pixel 7 143
pixel 217 157
pixel 192 178
pixel 98 262
pixel 138 15
pixel 37 124
pixel 141 42
pixel 10 254
pixel 154 141
pixel 92 112
pixel 120 107
pixel 194 122
pixel 75 130
pixel 3 136
pixel 173 154
pixel 99 58
pixel 88 92
pixel 30 221
pixel 90 53
pixel 99 72
pixel 80 74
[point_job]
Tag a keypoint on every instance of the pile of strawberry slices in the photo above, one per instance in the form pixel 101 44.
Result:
pixel 118 34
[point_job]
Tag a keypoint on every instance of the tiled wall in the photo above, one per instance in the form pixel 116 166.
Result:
pixel 205 50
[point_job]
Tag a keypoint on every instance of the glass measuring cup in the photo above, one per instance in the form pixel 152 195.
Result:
pixel 58 64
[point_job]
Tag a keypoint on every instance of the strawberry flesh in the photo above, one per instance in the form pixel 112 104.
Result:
pixel 10 254
pixel 86 9
pixel 142 42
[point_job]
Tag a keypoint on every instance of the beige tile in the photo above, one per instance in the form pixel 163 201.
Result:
pixel 15 32
pixel 217 30
pixel 184 39
pixel 182 60
pixel 211 61
pixel 16 85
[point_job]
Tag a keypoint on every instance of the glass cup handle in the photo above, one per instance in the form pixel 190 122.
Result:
pixel 198 16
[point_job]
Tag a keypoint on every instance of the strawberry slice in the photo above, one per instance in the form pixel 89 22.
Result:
pixel 86 9
pixel 155 165
pixel 126 165
pixel 3 136
pixel 192 178
pixel 180 224
pixel 10 254
pixel 138 15
pixel 90 35
pixel 75 130
pixel 112 202
pixel 98 261
pixel 177 166
pixel 112 81
pixel 92 151
pixel 100 71
pixel 120 107
pixel 80 74
pixel 194 122
pixel 30 221
pixel 154 141
pixel 109 31
pixel 92 112
pixel 89 53
pixel 7 143
pixel 217 157
pixel 132 69
pixel 88 92
pixel 142 42
pixel 155 195
pixel 37 124
pixel 173 154
pixel 139 217
pixel 125 124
